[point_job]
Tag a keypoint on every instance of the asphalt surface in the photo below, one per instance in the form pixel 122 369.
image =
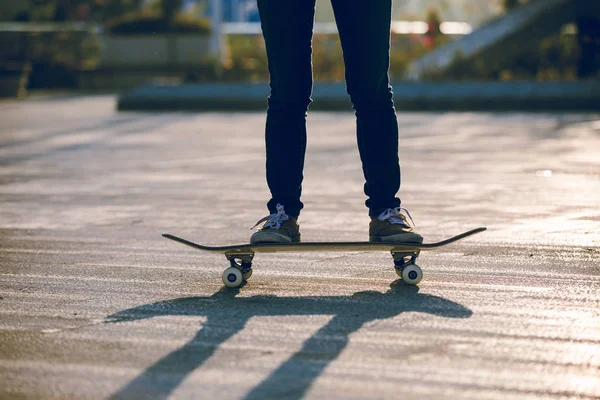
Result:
pixel 95 304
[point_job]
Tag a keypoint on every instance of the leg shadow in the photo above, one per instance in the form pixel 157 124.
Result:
pixel 296 375
pixel 161 379
pixel 227 315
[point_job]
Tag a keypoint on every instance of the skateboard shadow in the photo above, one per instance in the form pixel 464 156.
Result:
pixel 227 315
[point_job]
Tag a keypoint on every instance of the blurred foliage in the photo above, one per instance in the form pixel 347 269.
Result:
pixel 86 10
pixel 54 57
pixel 67 45
pixel 13 10
pixel 555 58
pixel 148 22
pixel 170 8
pixel 328 60
pixel 57 57
pixel 510 4
pixel 246 59
pixel 406 49
pixel 110 9
pixel 62 54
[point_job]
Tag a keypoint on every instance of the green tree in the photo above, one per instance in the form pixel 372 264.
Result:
pixel 117 8
pixel 170 8
pixel 510 4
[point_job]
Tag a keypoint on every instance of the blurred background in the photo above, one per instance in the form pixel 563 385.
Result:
pixel 86 190
pixel 115 45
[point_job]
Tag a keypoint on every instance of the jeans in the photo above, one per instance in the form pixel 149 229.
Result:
pixel 364 29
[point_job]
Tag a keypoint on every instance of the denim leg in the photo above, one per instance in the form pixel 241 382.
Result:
pixel 287 27
pixel 364 28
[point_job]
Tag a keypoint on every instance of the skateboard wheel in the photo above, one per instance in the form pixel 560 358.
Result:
pixel 232 277
pixel 412 274
pixel 247 274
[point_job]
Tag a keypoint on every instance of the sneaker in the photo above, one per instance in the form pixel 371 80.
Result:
pixel 278 228
pixel 392 226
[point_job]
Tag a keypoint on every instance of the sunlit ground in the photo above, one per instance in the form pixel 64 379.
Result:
pixel 95 303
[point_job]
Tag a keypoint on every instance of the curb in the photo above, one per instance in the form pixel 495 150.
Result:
pixel 461 96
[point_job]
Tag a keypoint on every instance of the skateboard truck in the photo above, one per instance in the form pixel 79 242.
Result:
pixel 240 256
pixel 239 264
pixel 406 268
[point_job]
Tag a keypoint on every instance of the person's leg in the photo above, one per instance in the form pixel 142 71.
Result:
pixel 364 28
pixel 287 29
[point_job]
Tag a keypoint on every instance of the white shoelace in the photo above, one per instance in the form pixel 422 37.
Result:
pixel 395 217
pixel 273 221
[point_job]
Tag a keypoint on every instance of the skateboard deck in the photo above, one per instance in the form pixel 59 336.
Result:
pixel 320 246
pixel 240 256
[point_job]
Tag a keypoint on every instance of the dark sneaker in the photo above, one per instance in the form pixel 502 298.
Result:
pixel 278 228
pixel 392 226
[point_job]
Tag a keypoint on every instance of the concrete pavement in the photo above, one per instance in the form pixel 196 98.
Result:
pixel 95 304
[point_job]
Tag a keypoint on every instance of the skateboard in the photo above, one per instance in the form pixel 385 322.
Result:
pixel 241 256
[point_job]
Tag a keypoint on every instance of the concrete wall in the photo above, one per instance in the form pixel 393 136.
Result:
pixel 157 51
